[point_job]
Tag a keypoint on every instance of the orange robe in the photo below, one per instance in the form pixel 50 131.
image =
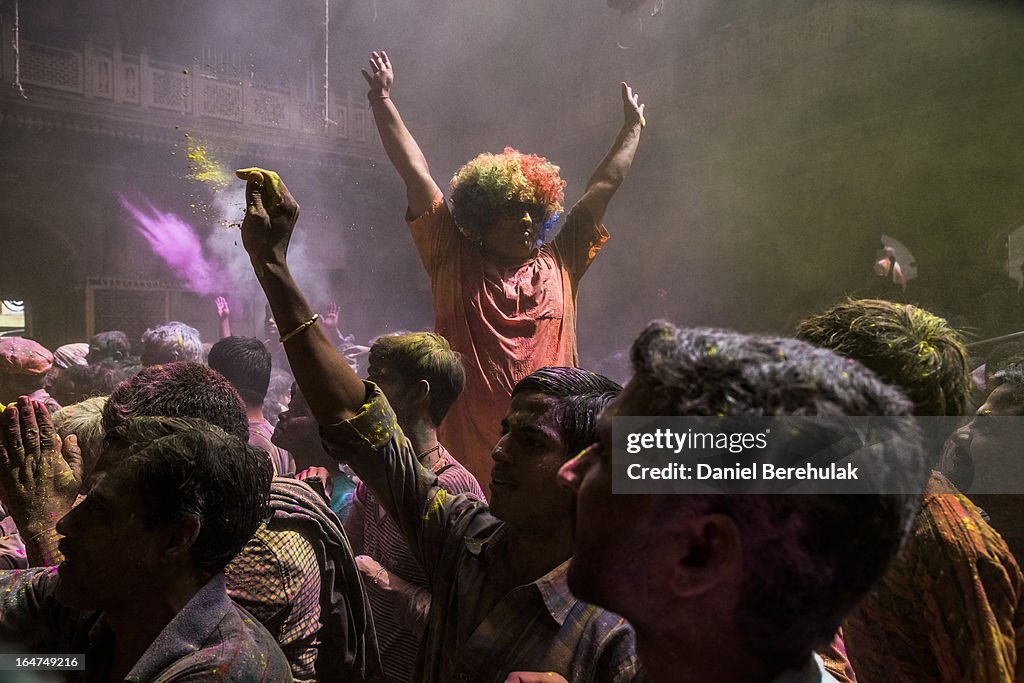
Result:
pixel 505 321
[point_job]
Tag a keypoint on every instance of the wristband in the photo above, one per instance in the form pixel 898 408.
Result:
pixel 301 328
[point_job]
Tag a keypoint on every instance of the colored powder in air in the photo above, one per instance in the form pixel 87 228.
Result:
pixel 203 167
pixel 178 245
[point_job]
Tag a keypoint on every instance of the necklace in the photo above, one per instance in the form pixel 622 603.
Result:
pixel 424 454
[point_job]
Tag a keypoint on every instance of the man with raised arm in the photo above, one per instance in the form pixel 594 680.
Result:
pixel 504 298
pixel 501 609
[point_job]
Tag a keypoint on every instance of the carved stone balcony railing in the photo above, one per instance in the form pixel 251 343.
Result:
pixel 141 83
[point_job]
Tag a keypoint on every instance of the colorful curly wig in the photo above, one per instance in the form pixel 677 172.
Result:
pixel 485 187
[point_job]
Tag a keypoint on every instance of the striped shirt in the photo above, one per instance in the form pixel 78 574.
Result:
pixel 383 541
pixel 539 626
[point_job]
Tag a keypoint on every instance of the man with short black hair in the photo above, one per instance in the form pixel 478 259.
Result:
pixel 245 362
pixel 140 592
pixel 739 587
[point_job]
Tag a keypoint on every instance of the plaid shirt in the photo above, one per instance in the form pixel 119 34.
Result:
pixel 276 578
pixel 535 627
pixel 298 577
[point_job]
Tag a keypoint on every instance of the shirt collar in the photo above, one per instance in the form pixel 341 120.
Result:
pixel 553 586
pixel 186 632
pixel 554 589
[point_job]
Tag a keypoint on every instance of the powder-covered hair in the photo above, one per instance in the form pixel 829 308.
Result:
pixel 110 345
pixel 170 343
pixel 488 184
pixel 904 345
pixel 1012 377
pixel 423 355
pixel 186 390
pixel 85 420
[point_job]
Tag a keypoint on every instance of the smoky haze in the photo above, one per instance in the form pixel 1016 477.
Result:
pixel 784 139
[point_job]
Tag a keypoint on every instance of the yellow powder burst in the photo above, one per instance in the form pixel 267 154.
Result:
pixel 203 167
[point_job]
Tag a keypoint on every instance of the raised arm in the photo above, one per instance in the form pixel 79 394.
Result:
pixel 612 170
pixel 337 397
pixel 224 315
pixel 331 388
pixel 401 148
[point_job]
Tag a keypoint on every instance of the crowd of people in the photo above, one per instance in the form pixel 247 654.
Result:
pixel 450 515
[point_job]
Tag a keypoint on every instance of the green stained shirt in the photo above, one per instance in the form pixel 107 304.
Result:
pixel 535 627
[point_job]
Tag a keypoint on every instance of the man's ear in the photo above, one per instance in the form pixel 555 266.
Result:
pixel 421 392
pixel 706 551
pixel 179 537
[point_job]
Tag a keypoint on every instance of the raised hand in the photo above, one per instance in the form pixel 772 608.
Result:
pixel 270 217
pixel 633 111
pixel 609 174
pixel 380 76
pixel 330 316
pixel 223 312
pixel 40 477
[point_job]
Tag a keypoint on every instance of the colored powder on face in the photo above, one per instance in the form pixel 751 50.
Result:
pixel 203 167
pixel 177 244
